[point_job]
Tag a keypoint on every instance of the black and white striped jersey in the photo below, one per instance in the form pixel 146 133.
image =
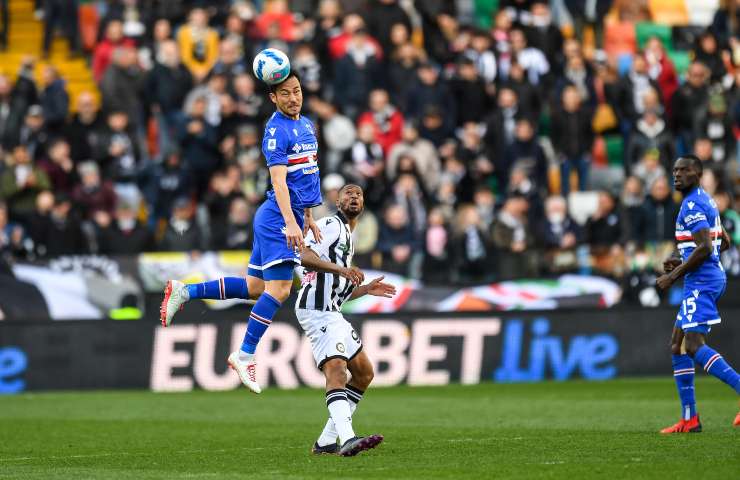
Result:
pixel 326 291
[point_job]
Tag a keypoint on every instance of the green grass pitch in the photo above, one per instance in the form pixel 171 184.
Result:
pixel 550 430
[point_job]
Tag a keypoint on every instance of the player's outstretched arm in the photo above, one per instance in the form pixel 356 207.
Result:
pixel 293 233
pixel 703 240
pixel 376 288
pixel 311 261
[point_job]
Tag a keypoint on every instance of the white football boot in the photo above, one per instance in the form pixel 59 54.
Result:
pixel 175 296
pixel 247 372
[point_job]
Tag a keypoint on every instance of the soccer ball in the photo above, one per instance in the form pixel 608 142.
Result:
pixel 271 66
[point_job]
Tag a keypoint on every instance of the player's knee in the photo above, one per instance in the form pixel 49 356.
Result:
pixel 255 286
pixel 279 290
pixel 335 371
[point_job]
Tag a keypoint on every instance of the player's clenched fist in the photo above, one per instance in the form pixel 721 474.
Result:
pixel 670 264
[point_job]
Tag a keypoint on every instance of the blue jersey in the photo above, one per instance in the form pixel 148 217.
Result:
pixel 293 143
pixel 698 212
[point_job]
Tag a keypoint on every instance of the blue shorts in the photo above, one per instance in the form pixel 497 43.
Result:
pixel 270 246
pixel 698 311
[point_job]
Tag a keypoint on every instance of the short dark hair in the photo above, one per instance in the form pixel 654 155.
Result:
pixel 695 162
pixel 274 87
pixel 350 185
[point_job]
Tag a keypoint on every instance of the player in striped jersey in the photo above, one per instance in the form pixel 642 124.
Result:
pixel 336 345
pixel 700 238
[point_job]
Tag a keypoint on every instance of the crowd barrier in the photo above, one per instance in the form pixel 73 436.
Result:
pixel 413 349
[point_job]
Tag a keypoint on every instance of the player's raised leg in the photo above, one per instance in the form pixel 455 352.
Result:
pixel 177 293
pixel 362 375
pixel 278 281
pixel 683 374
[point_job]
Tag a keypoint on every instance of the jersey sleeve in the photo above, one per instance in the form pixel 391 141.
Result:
pixel 695 216
pixel 275 146
pixel 330 233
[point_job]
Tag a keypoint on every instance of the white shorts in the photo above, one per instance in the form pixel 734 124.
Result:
pixel 331 335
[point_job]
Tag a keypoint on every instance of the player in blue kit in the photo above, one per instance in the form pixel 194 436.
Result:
pixel 700 238
pixel 290 148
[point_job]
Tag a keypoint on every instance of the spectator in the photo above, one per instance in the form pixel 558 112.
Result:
pixel 631 90
pixel 367 165
pixel 471 249
pixel 385 119
pixel 481 54
pixel 397 241
pixel 651 134
pixel 54 100
pixel 357 72
pixel 32 133
pixel 717 127
pixel 103 54
pixel 253 106
pixel 62 14
pixel 224 188
pixel 707 51
pixel 649 168
pixel 12 236
pixel 434 126
pixel 661 70
pixel 525 154
pixel 382 17
pixel 528 97
pixel 84 128
pixel 436 260
pixel 577 75
pixel 236 233
pixel 542 34
pixel 59 166
pixel 277 16
pixel 500 128
pixel 20 182
pixel 93 195
pixel 404 63
pixel 211 93
pixel 485 202
pixel 471 94
pixel 353 27
pixel 728 216
pixel 199 144
pixel 198 44
pixel 13 106
pixel 59 232
pixel 124 234
pixel 690 104
pixel 633 211
pixel 604 226
pixel 306 63
pixel 118 152
pixel 572 138
pixel 429 92
pixel 512 235
pixel 532 60
pixel 660 212
pixel 230 61
pixel 423 153
pixel 123 86
pixel 559 231
pixel 167 86
pixel 182 233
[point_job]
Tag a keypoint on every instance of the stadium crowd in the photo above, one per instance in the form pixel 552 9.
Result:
pixel 491 142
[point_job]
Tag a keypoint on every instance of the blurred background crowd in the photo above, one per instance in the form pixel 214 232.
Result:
pixel 494 139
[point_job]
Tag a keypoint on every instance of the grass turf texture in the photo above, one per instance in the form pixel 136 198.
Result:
pixel 547 430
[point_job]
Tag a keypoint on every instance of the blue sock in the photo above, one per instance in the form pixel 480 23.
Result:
pixel 715 365
pixel 683 373
pixel 259 320
pixel 221 289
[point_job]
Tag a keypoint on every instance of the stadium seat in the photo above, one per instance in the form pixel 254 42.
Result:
pixel 681 60
pixel 614 149
pixel 669 12
pixel 645 30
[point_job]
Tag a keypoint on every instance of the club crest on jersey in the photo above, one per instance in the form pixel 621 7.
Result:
pixel 340 347
pixel 296 148
pixel 691 205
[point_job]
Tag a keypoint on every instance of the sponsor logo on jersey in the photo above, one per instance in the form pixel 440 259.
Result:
pixel 691 205
pixel 272 131
pixel 309 171
pixel 693 218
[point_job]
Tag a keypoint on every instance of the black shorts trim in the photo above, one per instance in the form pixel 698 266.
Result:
pixel 321 363
pixel 356 353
